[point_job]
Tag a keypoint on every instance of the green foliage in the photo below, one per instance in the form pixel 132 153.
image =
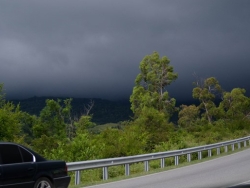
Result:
pixel 12 121
pixel 97 129
pixel 81 148
pixel 111 141
pixel 130 140
pixel 52 119
pixel 206 91
pixel 10 127
pixel 84 123
pixel 150 101
pixel 135 139
pixel 235 105
pixel 150 86
pixel 188 115
pixel 156 125
pixel 27 121
pixel 2 95
pixel 50 128
pixel 44 143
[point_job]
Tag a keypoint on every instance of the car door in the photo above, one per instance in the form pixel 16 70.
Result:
pixel 1 174
pixel 18 167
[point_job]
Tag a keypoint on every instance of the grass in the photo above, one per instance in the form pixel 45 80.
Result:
pixel 100 128
pixel 137 169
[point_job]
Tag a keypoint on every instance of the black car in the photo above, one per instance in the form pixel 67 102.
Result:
pixel 20 167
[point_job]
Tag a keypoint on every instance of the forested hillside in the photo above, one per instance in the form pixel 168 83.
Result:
pixel 103 111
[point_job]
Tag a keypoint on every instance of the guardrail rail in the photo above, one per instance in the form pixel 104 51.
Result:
pixel 127 161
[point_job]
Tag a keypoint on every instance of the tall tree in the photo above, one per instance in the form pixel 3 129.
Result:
pixel 10 127
pixel 206 91
pixel 53 119
pixel 235 104
pixel 50 130
pixel 13 121
pixel 150 85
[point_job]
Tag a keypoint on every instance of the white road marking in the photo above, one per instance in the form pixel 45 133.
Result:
pixel 243 183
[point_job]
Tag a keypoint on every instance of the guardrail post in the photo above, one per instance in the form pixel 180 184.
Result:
pixel 77 177
pixel 209 153
pixel 127 169
pixel 162 162
pixel 188 157
pixel 218 151
pixel 176 160
pixel 199 155
pixel 146 166
pixel 238 145
pixel 226 149
pixel 105 173
pixel 245 143
pixel 232 147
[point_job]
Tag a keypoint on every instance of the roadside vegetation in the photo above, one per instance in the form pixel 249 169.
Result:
pixel 57 134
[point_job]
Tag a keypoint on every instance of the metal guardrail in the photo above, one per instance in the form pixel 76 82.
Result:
pixel 126 161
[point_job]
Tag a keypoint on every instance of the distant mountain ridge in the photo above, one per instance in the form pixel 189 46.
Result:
pixel 104 111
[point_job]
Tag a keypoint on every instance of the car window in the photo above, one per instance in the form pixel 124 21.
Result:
pixel 10 154
pixel 27 156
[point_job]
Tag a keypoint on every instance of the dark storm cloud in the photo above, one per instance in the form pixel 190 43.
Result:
pixel 93 48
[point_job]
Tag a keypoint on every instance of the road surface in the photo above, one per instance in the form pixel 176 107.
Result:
pixel 231 171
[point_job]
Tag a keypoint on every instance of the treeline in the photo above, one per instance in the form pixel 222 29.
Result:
pixel 103 111
pixel 57 134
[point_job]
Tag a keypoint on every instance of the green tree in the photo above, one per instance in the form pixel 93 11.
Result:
pixel 77 126
pixel 27 122
pixel 12 121
pixel 80 148
pixel 155 124
pixel 235 104
pixel 206 91
pixel 10 127
pixel 188 115
pixel 2 95
pixel 53 119
pixel 132 139
pixel 150 85
pixel 50 129
pixel 84 124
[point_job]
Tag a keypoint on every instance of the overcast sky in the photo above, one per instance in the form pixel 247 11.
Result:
pixel 93 48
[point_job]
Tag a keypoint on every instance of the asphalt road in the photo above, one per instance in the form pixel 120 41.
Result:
pixel 232 171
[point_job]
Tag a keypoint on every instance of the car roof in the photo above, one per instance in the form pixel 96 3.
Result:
pixel 3 142
pixel 38 157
